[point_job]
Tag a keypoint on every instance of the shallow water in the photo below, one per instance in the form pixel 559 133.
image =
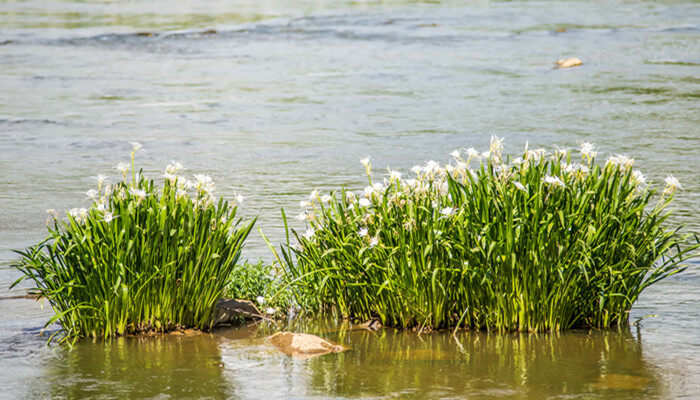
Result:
pixel 287 96
pixel 240 363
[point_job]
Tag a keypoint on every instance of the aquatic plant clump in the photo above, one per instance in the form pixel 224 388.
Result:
pixel 545 241
pixel 139 258
pixel 262 284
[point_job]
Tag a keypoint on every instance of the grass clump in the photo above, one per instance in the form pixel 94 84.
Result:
pixel 263 284
pixel 139 258
pixel 535 243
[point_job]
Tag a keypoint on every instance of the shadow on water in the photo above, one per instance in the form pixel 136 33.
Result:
pixel 143 367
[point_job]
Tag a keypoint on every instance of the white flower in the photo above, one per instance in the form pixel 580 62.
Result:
pixel 621 161
pixel 536 154
pixel 472 153
pixel 78 214
pixel 486 154
pixel 639 179
pixel 362 232
pixel 411 182
pixel 314 195
pixel 309 234
pixel 270 310
pixel 172 178
pixel 108 217
pixel 260 300
pixel 365 161
pixel 416 169
pixel 301 217
pixel 304 204
pixel 394 175
pixel 496 147
pixel 520 186
pixel 350 197
pixel 553 180
pixel 138 193
pixel 447 211
pixel 92 193
pixel 181 193
pixel 135 145
pixel 101 179
pixel 443 188
pixel 455 154
pixel 326 198
pixel 431 167
pixel 239 199
pixel 672 184
pixel 364 202
pixel 517 161
pixel 183 183
pixel 100 207
pixel 204 183
pixel 561 151
pixel 587 150
pixel 123 168
pixel 173 168
pixel 374 242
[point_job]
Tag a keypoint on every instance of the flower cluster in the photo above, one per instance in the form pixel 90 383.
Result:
pixel 444 244
pixel 199 191
pixel 429 184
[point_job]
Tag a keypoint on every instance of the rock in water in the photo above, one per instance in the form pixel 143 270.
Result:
pixel 373 325
pixel 229 311
pixel 569 62
pixel 621 382
pixel 303 344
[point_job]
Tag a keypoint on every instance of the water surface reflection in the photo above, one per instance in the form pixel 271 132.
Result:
pixel 392 363
pixel 145 367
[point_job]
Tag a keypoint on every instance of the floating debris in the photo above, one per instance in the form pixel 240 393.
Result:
pixel 568 62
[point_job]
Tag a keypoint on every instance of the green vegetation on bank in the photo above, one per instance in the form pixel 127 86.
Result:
pixel 540 242
pixel 139 258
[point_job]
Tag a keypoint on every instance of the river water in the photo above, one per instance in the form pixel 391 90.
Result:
pixel 274 99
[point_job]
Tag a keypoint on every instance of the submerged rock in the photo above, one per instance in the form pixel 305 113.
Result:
pixel 622 382
pixel 229 311
pixel 186 332
pixel 303 344
pixel 568 62
pixel 146 34
pixel 372 325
